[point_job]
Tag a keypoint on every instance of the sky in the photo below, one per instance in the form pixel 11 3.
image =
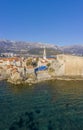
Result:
pixel 49 21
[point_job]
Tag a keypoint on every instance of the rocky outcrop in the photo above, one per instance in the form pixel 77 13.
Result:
pixel 3 74
pixel 31 78
pixel 43 75
pixel 15 78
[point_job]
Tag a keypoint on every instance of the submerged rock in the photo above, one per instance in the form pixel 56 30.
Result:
pixel 20 123
pixel 12 128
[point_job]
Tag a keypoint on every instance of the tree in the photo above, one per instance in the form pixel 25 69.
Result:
pixel 48 64
pixel 29 62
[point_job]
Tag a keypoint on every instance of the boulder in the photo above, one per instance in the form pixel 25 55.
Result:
pixel 15 78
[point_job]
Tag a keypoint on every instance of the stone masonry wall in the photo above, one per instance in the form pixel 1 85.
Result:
pixel 73 65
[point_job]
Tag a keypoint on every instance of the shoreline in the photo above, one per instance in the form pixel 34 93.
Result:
pixel 69 78
pixel 30 82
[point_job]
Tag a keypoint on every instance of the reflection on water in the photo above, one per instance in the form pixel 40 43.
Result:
pixel 52 105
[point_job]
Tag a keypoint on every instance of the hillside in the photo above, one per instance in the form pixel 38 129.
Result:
pixel 73 49
pixel 20 47
pixel 36 48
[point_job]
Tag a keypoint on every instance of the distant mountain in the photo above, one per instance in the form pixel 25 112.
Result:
pixel 73 49
pixel 25 47
pixel 22 47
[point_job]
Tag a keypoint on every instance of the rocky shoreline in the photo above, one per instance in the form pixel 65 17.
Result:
pixel 32 81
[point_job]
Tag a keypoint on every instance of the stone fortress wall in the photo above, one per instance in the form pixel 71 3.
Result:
pixel 69 65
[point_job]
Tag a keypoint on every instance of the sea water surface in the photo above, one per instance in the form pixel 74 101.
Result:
pixel 50 105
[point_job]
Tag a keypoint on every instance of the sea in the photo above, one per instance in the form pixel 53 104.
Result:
pixel 49 105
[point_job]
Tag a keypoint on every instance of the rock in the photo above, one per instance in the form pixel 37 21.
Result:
pixel 31 76
pixel 43 75
pixel 16 78
pixel 30 81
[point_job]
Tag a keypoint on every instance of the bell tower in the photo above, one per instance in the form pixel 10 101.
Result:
pixel 44 54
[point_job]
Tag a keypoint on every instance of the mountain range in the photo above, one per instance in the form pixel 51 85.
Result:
pixel 37 48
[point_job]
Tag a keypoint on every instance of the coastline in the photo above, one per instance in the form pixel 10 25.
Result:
pixel 69 78
pixel 45 69
pixel 30 82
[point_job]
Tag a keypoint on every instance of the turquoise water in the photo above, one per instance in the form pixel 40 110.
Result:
pixel 51 105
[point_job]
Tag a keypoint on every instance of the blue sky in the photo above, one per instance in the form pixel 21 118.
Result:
pixel 49 21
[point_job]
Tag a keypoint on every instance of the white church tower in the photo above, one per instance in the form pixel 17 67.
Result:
pixel 44 54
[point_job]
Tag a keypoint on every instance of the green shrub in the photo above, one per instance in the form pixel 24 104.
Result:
pixel 51 70
pixel 29 62
pixel 48 64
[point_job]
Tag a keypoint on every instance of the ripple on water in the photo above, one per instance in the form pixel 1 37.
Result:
pixel 47 106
